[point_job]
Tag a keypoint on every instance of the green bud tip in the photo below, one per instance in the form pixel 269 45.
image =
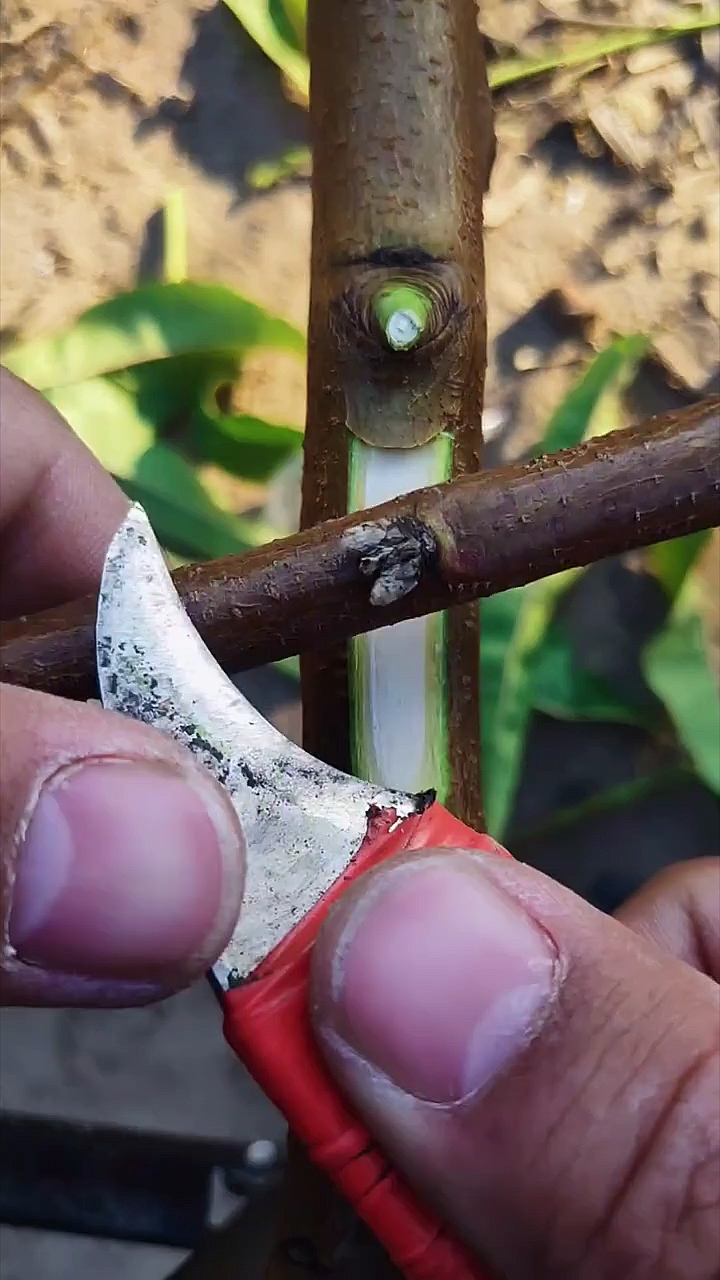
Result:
pixel 402 311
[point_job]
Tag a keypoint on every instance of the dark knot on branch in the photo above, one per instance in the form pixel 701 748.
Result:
pixel 393 554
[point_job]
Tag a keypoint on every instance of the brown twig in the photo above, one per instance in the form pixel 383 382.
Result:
pixel 486 533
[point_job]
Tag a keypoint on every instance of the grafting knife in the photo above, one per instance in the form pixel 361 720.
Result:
pixel 310 830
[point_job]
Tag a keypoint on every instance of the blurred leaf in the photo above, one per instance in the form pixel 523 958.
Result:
pixel 614 41
pixel 672 561
pixel 572 421
pixel 169 392
pixel 295 163
pixel 561 688
pixel 507 718
pixel 181 395
pixel 296 14
pixel 526 659
pixel 184 517
pixel 677 669
pixel 244 446
pixel 121 415
pixel 150 323
pixel 616 797
pixel 174 238
pixel 273 28
pixel 498 617
pixel 107 418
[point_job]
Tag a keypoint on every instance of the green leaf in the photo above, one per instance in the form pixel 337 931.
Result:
pixel 150 323
pixel 120 416
pixel 274 31
pixel 677 669
pixel 174 238
pixel 244 446
pixel 619 796
pixel 295 14
pixel 108 420
pixel 507 718
pixel 183 515
pixel 294 163
pixel 672 561
pixel 107 416
pixel 526 660
pixel 612 41
pixel 498 618
pixel 180 394
pixel 572 421
pixel 171 392
pixel 561 688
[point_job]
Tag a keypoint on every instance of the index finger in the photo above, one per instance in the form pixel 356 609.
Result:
pixel 679 911
pixel 58 507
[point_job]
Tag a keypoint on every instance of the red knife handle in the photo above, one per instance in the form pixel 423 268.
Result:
pixel 267 1024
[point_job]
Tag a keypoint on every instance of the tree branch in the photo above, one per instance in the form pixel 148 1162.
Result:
pixel 467 539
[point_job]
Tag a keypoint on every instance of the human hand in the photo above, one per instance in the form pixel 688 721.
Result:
pixel 548 1078
pixel 121 860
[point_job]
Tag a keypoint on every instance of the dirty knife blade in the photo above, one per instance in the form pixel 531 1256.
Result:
pixel 303 821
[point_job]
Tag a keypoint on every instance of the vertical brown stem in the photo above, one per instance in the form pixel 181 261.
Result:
pixel 402 133
pixel 402 146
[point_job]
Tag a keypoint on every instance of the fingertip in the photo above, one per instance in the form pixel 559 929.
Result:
pixel 124 869
pixel 59 508
pixel 392 977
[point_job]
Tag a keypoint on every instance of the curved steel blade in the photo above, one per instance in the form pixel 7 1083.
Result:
pixel 303 821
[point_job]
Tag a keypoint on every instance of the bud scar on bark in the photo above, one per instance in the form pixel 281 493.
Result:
pixel 402 322
pixel 394 554
pixel 403 313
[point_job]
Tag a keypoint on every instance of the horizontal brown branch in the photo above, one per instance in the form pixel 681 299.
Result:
pixel 470 538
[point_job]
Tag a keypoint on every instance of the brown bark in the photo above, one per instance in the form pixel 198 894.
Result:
pixel 655 481
pixel 402 134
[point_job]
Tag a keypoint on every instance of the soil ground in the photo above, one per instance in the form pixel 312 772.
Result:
pixel 602 216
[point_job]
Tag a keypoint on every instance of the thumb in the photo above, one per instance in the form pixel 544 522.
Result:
pixel 547 1080
pixel 121 860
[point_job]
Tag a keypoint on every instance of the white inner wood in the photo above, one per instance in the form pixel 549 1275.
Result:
pixel 399 662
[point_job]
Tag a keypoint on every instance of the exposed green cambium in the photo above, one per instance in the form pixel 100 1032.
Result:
pixel 403 312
